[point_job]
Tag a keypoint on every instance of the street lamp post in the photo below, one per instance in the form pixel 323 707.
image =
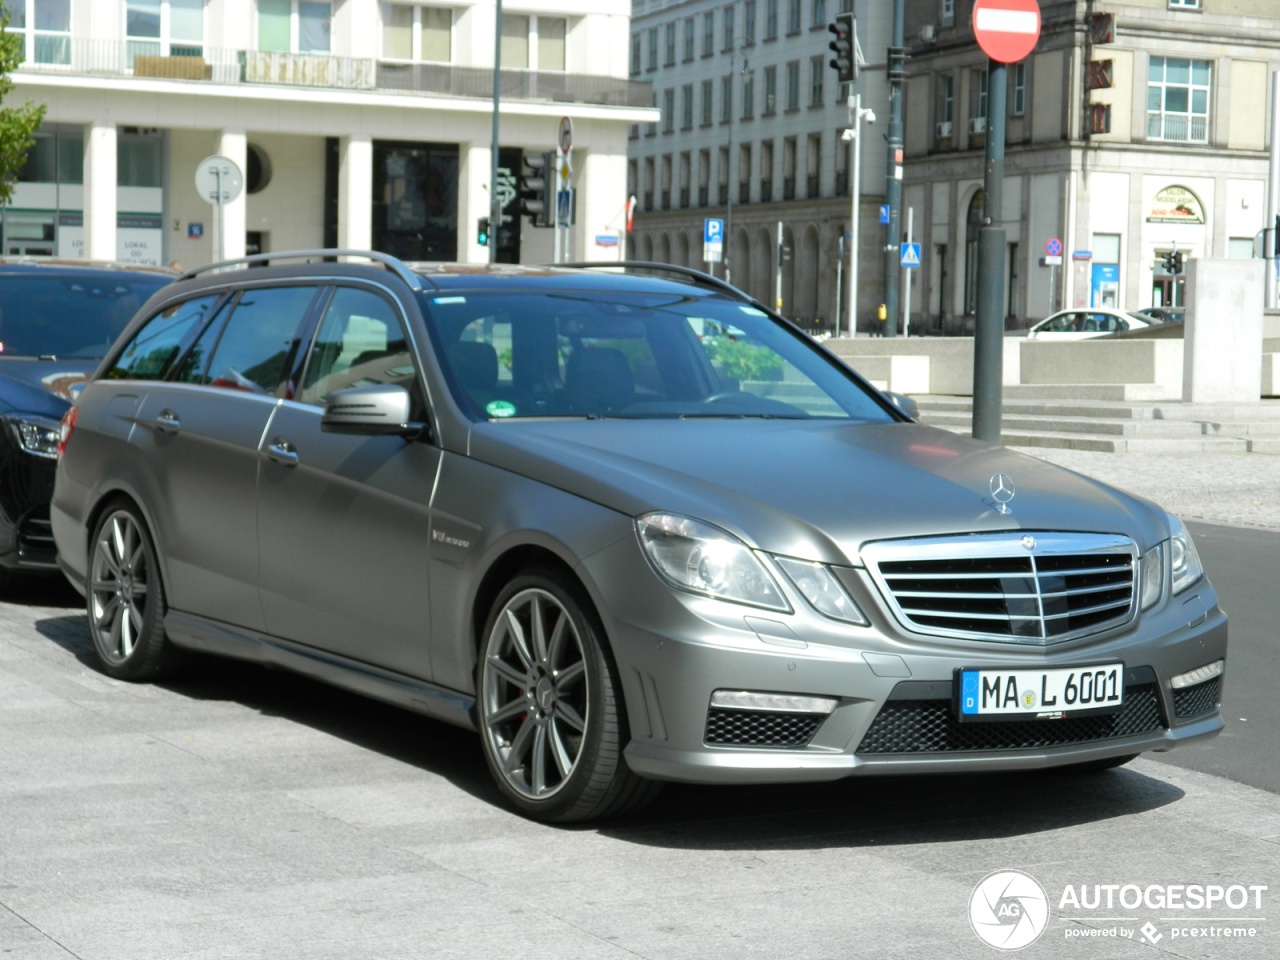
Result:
pixel 857 114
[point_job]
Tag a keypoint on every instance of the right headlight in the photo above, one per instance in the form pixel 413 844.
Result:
pixel 696 556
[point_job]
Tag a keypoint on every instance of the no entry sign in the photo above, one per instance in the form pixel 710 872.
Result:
pixel 1006 30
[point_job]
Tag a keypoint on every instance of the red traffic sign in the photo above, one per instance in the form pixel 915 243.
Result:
pixel 1006 30
pixel 1054 247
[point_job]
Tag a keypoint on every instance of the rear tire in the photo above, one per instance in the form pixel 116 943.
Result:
pixel 548 705
pixel 125 599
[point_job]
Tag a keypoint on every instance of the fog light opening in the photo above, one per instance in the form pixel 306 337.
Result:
pixel 1198 675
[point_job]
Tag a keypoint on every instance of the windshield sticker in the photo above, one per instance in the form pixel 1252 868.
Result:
pixel 444 300
pixel 501 409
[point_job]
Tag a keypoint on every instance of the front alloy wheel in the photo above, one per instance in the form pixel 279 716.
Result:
pixel 125 599
pixel 548 706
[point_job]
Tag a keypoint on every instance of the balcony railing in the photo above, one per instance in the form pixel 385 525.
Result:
pixel 704 196
pixel 110 58
pixel 813 184
pixel 766 190
pixel 1178 127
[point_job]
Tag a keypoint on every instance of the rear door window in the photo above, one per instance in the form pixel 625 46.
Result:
pixel 151 353
pixel 250 349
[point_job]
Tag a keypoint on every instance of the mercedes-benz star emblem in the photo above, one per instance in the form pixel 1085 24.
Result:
pixel 1002 491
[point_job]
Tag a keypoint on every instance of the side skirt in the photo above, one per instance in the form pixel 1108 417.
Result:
pixel 419 696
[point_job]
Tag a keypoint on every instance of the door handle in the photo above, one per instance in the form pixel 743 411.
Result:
pixel 282 452
pixel 167 421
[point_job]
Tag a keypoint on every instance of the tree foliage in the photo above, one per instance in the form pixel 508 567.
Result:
pixel 17 124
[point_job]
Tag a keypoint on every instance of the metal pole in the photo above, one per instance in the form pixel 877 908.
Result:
pixel 217 202
pixel 855 147
pixel 906 278
pixel 839 284
pixel 893 174
pixel 777 283
pixel 1273 197
pixel 988 341
pixel 495 204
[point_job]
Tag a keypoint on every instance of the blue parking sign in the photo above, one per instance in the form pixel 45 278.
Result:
pixel 712 230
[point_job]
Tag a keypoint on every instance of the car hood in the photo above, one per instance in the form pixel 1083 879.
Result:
pixel 817 490
pixel 41 386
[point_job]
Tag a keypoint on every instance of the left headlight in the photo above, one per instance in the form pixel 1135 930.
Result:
pixel 1184 560
pixel 696 556
pixel 1185 568
pixel 35 434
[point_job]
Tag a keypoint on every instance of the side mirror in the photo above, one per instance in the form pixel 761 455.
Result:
pixel 904 404
pixel 379 410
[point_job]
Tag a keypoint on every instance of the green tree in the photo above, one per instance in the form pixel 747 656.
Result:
pixel 17 124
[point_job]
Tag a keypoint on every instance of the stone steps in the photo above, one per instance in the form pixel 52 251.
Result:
pixel 1111 425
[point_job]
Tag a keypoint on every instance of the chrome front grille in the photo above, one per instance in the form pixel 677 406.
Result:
pixel 1026 587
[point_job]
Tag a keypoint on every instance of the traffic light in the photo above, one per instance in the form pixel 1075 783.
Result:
pixel 1177 264
pixel 1168 262
pixel 482 231
pixel 537 188
pixel 845 61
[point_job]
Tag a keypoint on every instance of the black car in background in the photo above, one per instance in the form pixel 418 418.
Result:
pixel 57 319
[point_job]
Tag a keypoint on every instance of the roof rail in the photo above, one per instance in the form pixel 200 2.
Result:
pixel 698 276
pixel 393 264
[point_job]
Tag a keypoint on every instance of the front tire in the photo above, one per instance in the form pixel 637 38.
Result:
pixel 125 599
pixel 549 705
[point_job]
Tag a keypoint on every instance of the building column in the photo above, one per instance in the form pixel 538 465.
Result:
pixel 100 206
pixel 355 193
pixel 234 145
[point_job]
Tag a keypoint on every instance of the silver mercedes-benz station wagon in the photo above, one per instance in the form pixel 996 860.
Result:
pixel 627 523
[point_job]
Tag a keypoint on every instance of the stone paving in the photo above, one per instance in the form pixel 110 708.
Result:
pixel 1235 488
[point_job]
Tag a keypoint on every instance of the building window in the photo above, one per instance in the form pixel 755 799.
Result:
pixel 749 22
pixel 748 96
pixel 1184 4
pixel 295 26
pixel 686 107
pixel 947 13
pixel 980 102
pixel 708 103
pixel 164 28
pixel 817 70
pixel 770 19
pixel 670 34
pixel 793 85
pixel 637 45
pixel 413 32
pixel 819 17
pixel 690 36
pixel 726 99
pixel 1018 101
pixel 946 99
pixel 668 111
pixel 770 90
pixel 728 28
pixel 1178 100
pixel 793 16
pixel 45 27
pixel 653 48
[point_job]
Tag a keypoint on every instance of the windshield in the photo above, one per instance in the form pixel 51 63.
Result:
pixel 636 355
pixel 68 315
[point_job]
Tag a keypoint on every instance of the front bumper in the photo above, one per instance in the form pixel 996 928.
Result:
pixel 894 691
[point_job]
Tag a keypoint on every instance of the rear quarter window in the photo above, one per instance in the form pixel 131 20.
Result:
pixel 151 353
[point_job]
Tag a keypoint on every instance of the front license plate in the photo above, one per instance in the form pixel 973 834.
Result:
pixel 1002 693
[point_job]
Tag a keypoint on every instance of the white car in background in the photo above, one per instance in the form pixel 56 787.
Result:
pixel 1082 323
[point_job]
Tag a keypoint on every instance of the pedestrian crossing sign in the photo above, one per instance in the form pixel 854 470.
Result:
pixel 910 255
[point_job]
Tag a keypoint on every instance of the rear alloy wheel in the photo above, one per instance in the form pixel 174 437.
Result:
pixel 548 706
pixel 126 600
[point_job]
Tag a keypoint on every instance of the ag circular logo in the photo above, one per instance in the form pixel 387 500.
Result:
pixel 1008 910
